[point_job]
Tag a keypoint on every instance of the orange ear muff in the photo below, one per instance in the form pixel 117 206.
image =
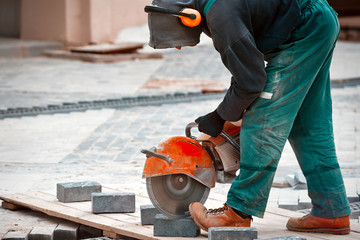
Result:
pixel 194 19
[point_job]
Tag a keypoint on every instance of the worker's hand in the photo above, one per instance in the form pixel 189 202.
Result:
pixel 211 124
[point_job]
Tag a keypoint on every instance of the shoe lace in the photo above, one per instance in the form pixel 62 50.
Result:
pixel 218 211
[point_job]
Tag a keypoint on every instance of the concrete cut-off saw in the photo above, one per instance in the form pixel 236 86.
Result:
pixel 182 170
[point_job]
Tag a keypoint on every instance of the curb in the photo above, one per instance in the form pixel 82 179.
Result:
pixel 110 103
pixel 135 101
pixel 348 82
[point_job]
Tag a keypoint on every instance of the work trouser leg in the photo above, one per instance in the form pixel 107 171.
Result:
pixel 292 70
pixel 313 143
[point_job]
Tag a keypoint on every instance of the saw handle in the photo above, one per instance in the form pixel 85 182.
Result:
pixel 188 130
pixel 152 153
pixel 222 134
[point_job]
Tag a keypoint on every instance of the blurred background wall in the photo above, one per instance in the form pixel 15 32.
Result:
pixel 346 7
pixel 79 22
pixel 73 22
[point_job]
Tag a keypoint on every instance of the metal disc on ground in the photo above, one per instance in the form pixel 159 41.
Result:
pixel 172 194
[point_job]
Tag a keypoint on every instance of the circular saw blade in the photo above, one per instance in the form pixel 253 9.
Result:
pixel 172 194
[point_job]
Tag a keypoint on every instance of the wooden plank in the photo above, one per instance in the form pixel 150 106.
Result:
pixel 85 206
pixel 112 235
pixel 11 206
pixel 350 22
pixel 100 58
pixel 207 85
pixel 121 227
pixel 355 228
pixel 122 224
pixel 283 212
pixel 125 47
pixel 274 222
pixel 286 214
pixel 273 225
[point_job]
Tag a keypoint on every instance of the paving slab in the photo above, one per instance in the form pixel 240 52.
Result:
pixel 113 202
pixel 22 234
pixel 77 191
pixel 17 48
pixel 66 230
pixel 289 199
pixel 89 232
pixel 148 213
pixel 304 200
pixel 182 227
pixel 42 233
pixel 235 233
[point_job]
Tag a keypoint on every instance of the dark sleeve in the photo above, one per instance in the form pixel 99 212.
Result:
pixel 246 64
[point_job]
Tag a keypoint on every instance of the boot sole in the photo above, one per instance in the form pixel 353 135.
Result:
pixel 337 231
pixel 196 220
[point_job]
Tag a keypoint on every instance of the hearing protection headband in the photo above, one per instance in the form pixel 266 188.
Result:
pixel 168 11
pixel 189 17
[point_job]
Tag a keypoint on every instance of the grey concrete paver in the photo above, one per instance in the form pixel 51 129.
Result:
pixel 181 227
pixel 235 233
pixel 76 191
pixel 113 202
pixel 147 214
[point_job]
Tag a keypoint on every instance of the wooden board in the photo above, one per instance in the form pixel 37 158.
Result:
pixel 206 86
pixel 350 22
pixel 128 224
pixel 106 48
pixel 100 58
pixel 11 206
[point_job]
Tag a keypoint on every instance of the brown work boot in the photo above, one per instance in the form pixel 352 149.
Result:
pixel 220 217
pixel 309 223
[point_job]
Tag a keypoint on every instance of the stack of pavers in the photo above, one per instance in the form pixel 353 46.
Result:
pixel 125 203
pixel 166 227
pixel 51 229
pixel 186 227
pixel 101 202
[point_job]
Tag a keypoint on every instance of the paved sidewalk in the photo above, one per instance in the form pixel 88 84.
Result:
pixel 41 81
pixel 103 145
pixel 12 47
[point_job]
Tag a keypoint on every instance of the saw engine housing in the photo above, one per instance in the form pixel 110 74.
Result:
pixel 179 164
pixel 225 156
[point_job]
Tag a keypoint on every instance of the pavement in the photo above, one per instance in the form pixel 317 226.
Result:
pixel 104 145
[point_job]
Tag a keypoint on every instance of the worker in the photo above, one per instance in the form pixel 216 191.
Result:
pixel 279 54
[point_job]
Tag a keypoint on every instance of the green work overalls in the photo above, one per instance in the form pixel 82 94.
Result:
pixel 296 105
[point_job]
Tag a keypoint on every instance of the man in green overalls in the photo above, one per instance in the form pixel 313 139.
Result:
pixel 288 99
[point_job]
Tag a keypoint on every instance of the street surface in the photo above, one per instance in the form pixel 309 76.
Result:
pixel 104 145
